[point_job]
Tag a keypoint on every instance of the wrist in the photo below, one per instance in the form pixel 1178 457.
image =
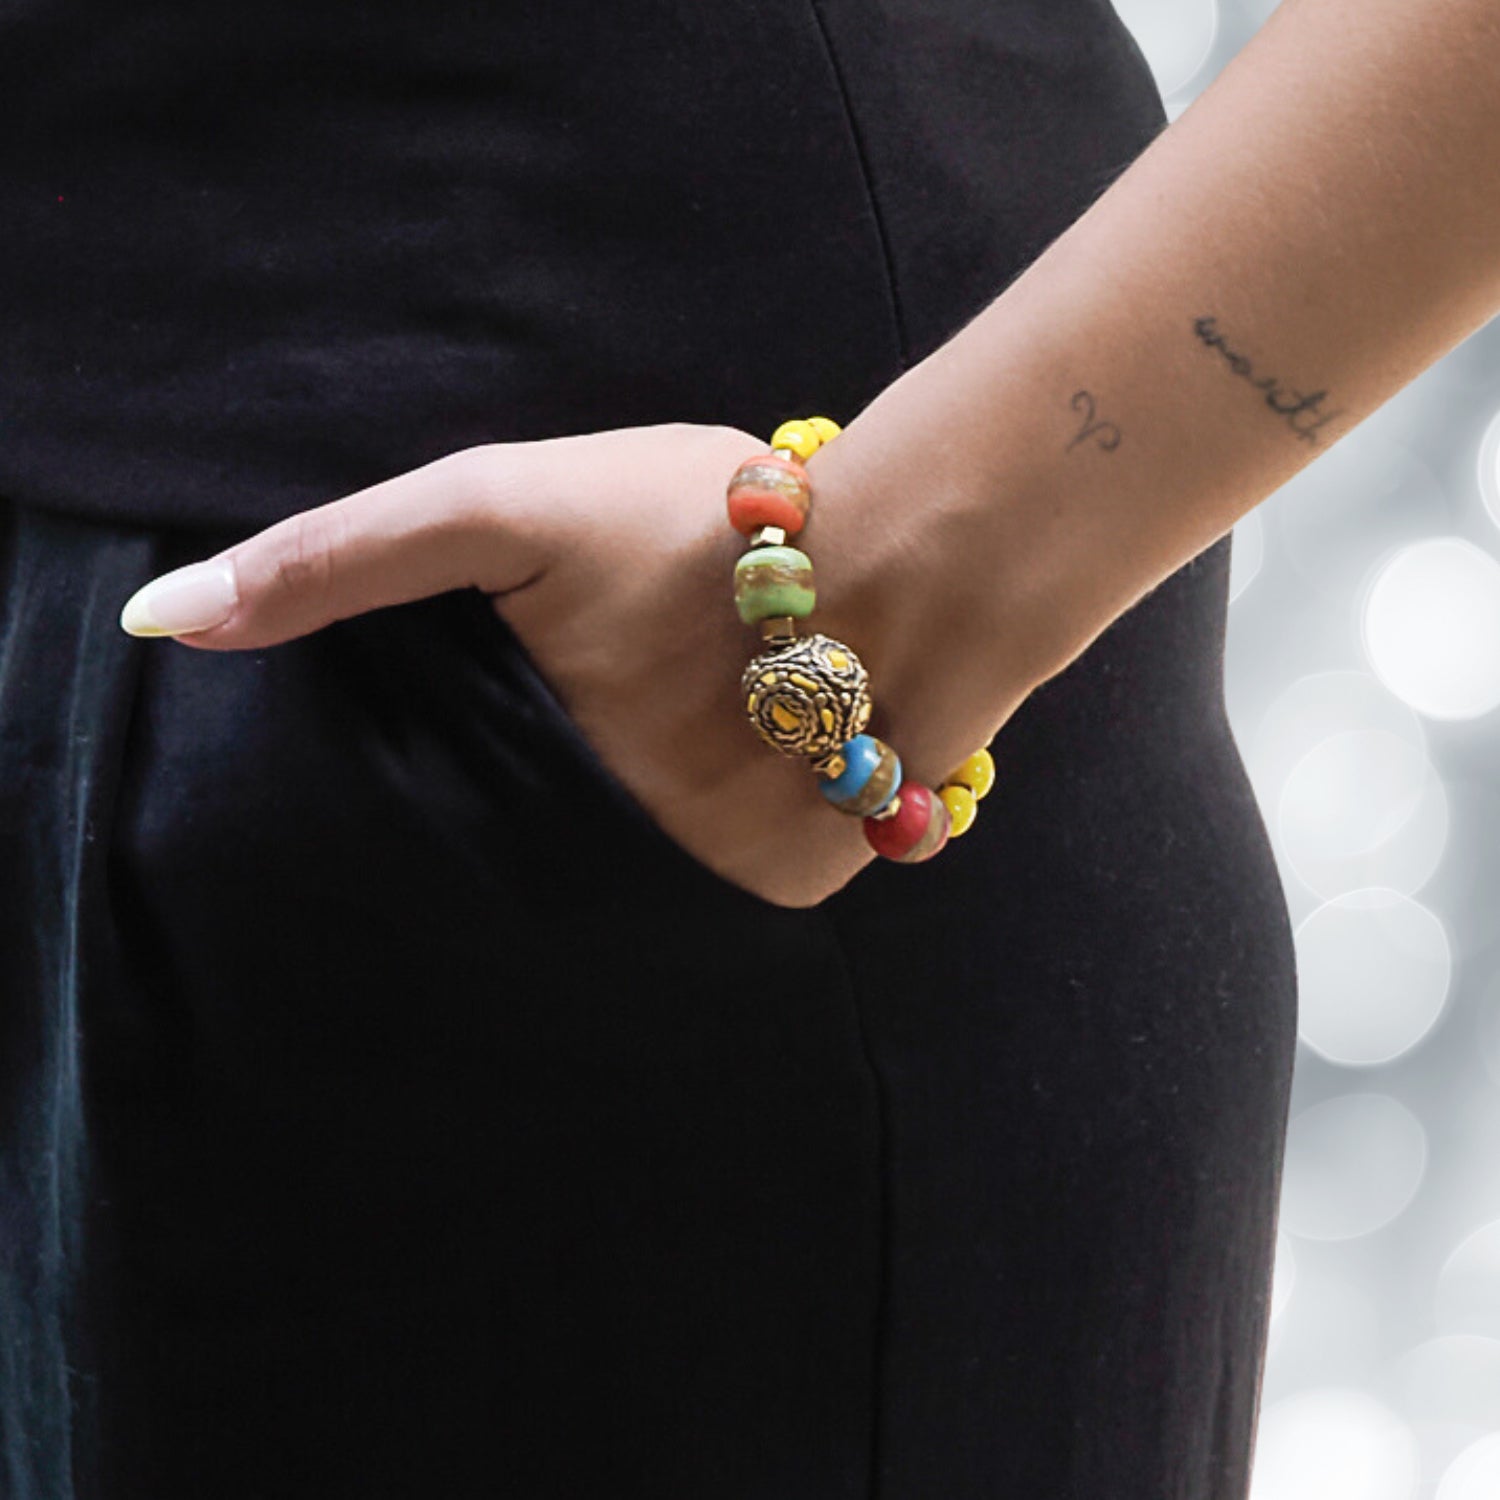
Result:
pixel 913 574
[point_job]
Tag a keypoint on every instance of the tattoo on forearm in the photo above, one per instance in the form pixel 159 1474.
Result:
pixel 1084 401
pixel 1204 328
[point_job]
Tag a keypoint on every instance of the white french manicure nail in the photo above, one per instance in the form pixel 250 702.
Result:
pixel 186 599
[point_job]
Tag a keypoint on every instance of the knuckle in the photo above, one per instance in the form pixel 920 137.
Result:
pixel 482 483
pixel 305 564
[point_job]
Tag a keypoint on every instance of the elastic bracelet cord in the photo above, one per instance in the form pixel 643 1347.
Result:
pixel 808 695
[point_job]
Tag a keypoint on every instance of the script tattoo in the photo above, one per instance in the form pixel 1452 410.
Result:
pixel 1204 328
pixel 1090 427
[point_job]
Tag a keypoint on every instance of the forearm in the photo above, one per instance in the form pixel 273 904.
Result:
pixel 1317 228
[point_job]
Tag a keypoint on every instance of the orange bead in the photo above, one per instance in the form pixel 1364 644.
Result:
pixel 769 491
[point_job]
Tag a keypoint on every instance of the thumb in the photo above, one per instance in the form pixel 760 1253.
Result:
pixel 435 528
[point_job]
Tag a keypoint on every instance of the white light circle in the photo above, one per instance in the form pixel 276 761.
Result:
pixel 1448 1390
pixel 1470 863
pixel 1313 708
pixel 1363 807
pixel 1247 552
pixel 1283 1275
pixel 1489 468
pixel 1331 1331
pixel 1468 1287
pixel 1431 627
pixel 1355 503
pixel 1454 1378
pixel 1475 1473
pixel 1176 36
pixel 1353 1163
pixel 1489 1028
pixel 1333 1443
pixel 1374 969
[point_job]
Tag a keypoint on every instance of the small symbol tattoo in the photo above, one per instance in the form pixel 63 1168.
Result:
pixel 1092 428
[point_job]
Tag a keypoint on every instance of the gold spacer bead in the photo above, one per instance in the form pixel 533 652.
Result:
pixel 890 809
pixel 767 536
pixel 779 628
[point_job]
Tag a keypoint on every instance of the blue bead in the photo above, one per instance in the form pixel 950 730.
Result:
pixel 852 790
pixel 861 756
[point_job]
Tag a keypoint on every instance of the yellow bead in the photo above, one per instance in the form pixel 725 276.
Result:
pixel 826 428
pixel 962 805
pixel 977 773
pixel 801 437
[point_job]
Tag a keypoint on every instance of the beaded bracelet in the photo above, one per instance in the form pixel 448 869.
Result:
pixel 809 695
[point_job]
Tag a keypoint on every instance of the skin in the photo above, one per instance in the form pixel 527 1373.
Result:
pixel 1319 226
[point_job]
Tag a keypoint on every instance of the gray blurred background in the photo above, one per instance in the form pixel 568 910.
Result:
pixel 1363 682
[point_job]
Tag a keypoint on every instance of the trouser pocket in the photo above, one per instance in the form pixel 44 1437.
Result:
pixel 515 681
pixel 450 1114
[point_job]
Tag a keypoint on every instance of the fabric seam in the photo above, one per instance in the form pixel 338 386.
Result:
pixel 867 179
pixel 92 946
pixel 880 1334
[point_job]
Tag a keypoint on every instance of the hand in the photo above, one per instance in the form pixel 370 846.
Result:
pixel 610 556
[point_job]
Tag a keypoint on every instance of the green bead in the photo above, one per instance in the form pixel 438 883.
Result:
pixel 773 581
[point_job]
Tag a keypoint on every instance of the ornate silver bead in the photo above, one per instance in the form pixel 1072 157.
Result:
pixel 808 696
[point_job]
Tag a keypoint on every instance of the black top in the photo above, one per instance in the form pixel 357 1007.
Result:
pixel 258 256
pixel 388 1106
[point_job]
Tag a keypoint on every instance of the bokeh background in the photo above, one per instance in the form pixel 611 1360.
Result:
pixel 1363 683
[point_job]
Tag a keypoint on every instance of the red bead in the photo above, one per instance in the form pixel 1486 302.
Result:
pixel 769 491
pixel 917 831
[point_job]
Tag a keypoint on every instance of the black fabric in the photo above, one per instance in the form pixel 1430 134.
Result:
pixel 257 257
pixel 388 1108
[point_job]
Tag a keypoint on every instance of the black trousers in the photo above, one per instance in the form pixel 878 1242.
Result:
pixel 388 1108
